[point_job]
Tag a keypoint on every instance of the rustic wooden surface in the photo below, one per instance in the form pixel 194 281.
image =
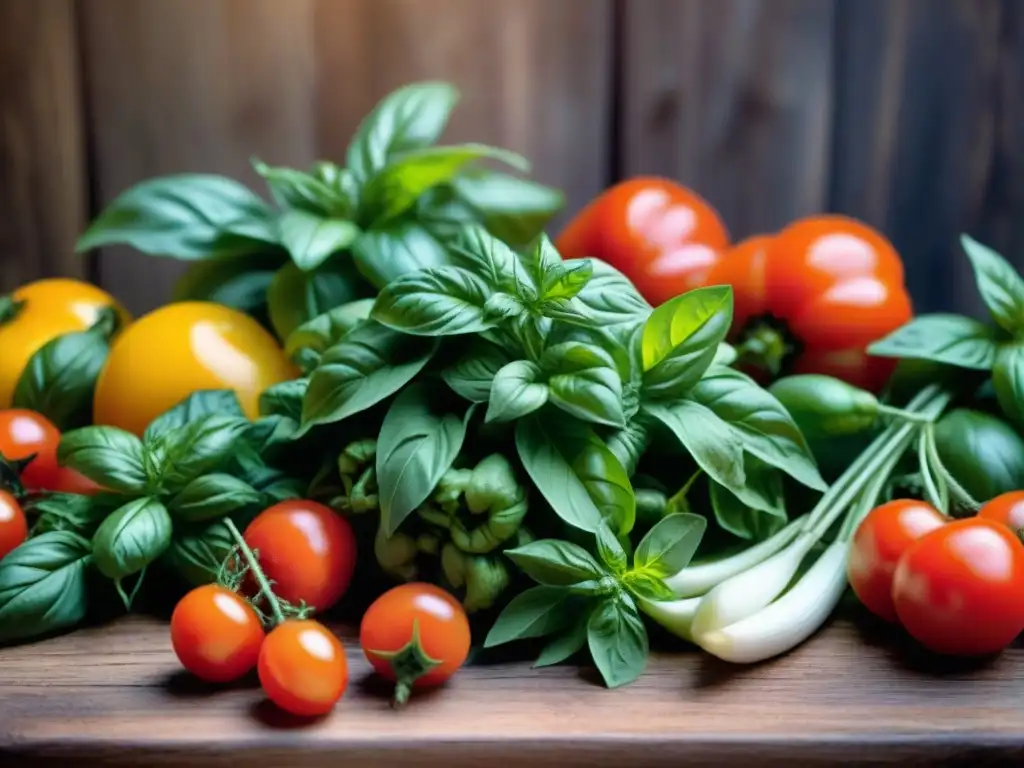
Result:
pixel 116 696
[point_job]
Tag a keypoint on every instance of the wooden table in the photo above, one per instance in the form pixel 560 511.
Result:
pixel 116 696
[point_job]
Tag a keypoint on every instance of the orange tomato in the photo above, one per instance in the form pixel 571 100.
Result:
pixel 662 236
pixel 179 349
pixel 215 634
pixel 44 310
pixel 13 526
pixel 302 668
pixel 1006 508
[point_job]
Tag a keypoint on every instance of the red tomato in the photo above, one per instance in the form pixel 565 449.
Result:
pixel 881 538
pixel 24 433
pixel 307 549
pixel 960 589
pixel 13 527
pixel 215 634
pixel 1007 508
pixel 662 236
pixel 302 668
pixel 416 635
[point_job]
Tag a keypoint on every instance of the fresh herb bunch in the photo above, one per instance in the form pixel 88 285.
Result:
pixel 333 233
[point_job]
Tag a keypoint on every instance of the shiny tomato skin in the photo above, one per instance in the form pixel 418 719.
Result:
pixel 181 348
pixel 441 624
pixel 302 668
pixel 879 542
pixel 1007 509
pixel 13 526
pixel 307 549
pixel 743 267
pixel 959 590
pixel 215 634
pixel 662 236
pixel 49 308
pixel 24 433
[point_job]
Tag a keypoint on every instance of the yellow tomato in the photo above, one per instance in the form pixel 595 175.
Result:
pixel 46 309
pixel 179 349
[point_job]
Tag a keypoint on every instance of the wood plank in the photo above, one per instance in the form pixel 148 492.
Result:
pixel 732 98
pixel 42 171
pixel 116 696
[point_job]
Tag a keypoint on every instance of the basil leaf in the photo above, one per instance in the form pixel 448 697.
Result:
pixel 648 586
pixel 515 392
pixel 301 191
pixel 295 297
pixel 186 216
pixel 417 444
pixel 197 552
pixel 514 210
pixel 610 550
pixel 565 281
pixel 628 444
pixel 488 257
pixel 284 399
pixel 714 445
pixel 472 375
pixel 269 431
pixel 434 302
pixel 312 239
pixel 198 405
pixel 618 640
pixel 725 355
pixel 109 456
pixel 576 473
pixel 239 281
pixel 1008 381
pixel 211 496
pixel 669 546
pixel 369 365
pixel 316 336
pixel 1001 288
pixel 536 612
pixel 741 520
pixel 72 512
pixel 205 445
pixel 383 255
pixel 565 645
pixel 609 296
pixel 43 585
pixel 763 424
pixel 583 381
pixel 943 338
pixel 556 563
pixel 132 537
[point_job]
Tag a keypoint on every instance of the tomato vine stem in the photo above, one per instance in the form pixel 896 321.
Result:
pixel 257 572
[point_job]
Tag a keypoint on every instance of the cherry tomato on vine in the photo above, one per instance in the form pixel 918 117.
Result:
pixel 959 590
pixel 25 433
pixel 660 235
pixel 302 668
pixel 879 542
pixel 416 635
pixel 307 549
pixel 215 634
pixel 13 526
pixel 1007 509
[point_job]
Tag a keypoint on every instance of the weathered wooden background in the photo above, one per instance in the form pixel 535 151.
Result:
pixel 907 113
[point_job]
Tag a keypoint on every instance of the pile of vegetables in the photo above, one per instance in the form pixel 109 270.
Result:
pixel 388 393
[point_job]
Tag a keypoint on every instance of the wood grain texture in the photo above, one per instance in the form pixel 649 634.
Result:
pixel 116 696
pixel 42 170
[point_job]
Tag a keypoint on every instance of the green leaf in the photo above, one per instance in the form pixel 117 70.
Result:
pixel 324 331
pixel 442 301
pixel 43 586
pixel 629 444
pixel 211 496
pixel 109 456
pixel 556 563
pixel 669 546
pixel 182 454
pixel 295 297
pixel 488 257
pixel 418 443
pixel 983 452
pixel 536 612
pixel 369 365
pixel 239 281
pixel 198 405
pixel 514 210
pixel 408 118
pixel 943 338
pixel 765 427
pixel 1008 381
pixel 131 538
pixel 741 520
pixel 312 239
pixel 71 512
pixel 576 473
pixel 618 641
pixel 186 216
pixel 198 551
pixel 472 375
pixel 302 191
pixel 648 586
pixel 610 550
pixel 284 399
pixel 403 246
pixel 609 297
pixel 515 392
pixel 564 645
pixel 566 281
pixel 714 445
pixel 1001 288
pixel 583 381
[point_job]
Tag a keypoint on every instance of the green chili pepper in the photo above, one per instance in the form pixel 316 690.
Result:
pixel 982 452
pixel 358 477
pixel 483 577
pixel 823 406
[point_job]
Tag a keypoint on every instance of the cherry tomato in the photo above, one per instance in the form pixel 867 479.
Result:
pixel 41 311
pixel 881 538
pixel 1007 508
pixel 960 589
pixel 302 668
pixel 215 634
pixel 307 549
pixel 178 349
pixel 662 236
pixel 24 433
pixel 415 634
pixel 13 527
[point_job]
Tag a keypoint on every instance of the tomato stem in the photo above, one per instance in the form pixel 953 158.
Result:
pixel 256 571
pixel 765 347
pixel 956 490
pixel 905 415
pixel 409 663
